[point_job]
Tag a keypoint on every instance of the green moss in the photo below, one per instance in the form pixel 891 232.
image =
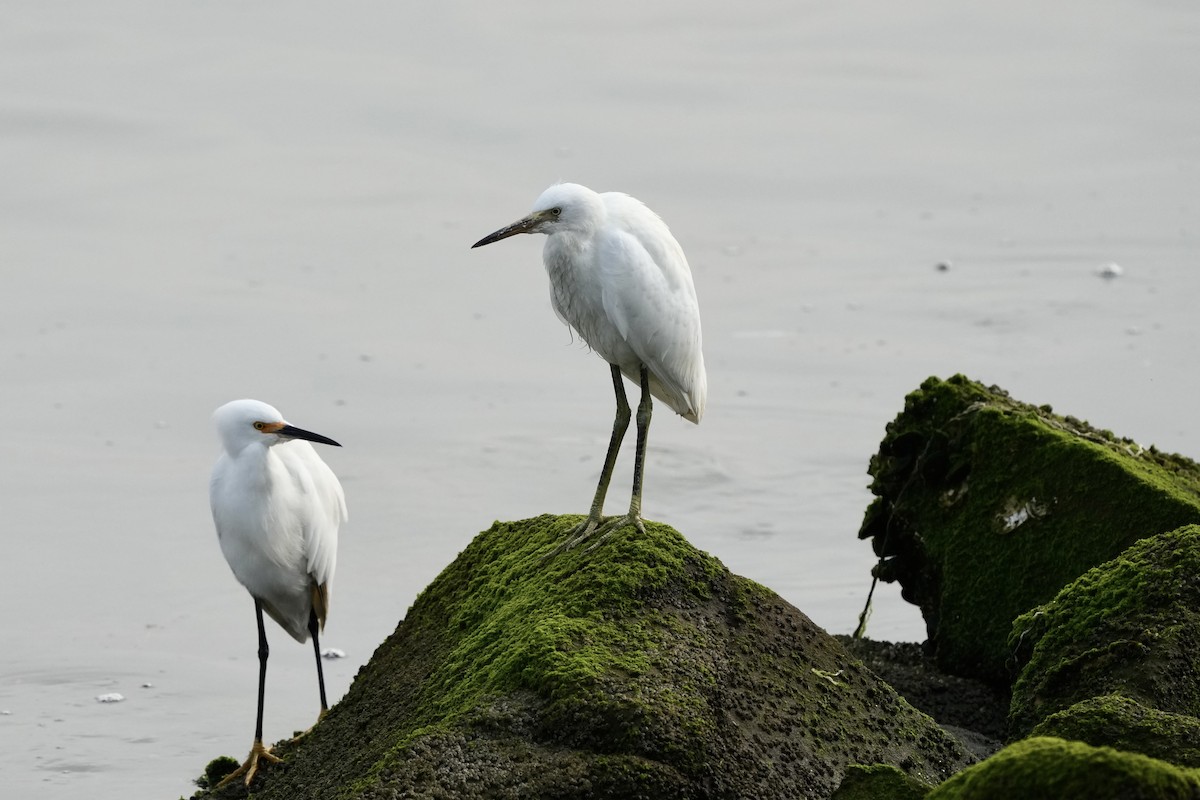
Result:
pixel 1046 768
pixel 879 782
pixel 558 627
pixel 987 506
pixel 1123 723
pixel 642 668
pixel 1129 626
pixel 564 632
pixel 215 770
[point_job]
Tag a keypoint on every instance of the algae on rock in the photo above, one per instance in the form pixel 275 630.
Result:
pixel 879 782
pixel 642 668
pixel 1130 627
pixel 987 506
pixel 1046 768
pixel 1116 721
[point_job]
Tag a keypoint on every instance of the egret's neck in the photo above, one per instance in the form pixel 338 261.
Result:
pixel 251 462
pixel 565 252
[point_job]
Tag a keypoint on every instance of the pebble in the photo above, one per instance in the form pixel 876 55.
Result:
pixel 110 697
pixel 333 652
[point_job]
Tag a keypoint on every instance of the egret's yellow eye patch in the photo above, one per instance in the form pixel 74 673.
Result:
pixel 268 427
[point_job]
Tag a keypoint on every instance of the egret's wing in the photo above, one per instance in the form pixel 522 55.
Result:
pixel 648 294
pixel 325 512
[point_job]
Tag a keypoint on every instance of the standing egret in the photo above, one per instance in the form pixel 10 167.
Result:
pixel 277 508
pixel 619 278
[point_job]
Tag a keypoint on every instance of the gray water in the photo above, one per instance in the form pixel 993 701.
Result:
pixel 205 201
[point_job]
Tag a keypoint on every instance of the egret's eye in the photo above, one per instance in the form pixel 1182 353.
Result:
pixel 556 211
pixel 258 426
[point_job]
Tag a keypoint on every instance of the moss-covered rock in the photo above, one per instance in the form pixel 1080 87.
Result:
pixel 1130 626
pixel 879 782
pixel 970 710
pixel 642 668
pixel 1116 721
pixel 216 770
pixel 1046 768
pixel 987 507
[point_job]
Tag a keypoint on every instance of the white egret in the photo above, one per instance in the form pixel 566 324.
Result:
pixel 277 508
pixel 619 278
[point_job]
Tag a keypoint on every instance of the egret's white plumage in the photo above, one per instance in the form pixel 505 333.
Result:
pixel 620 279
pixel 277 508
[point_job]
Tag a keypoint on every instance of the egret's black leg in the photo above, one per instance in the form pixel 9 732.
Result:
pixel 258 750
pixel 263 652
pixel 634 517
pixel 645 407
pixel 314 628
pixel 620 425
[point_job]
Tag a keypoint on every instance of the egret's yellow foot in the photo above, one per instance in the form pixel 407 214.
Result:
pixel 250 768
pixel 308 730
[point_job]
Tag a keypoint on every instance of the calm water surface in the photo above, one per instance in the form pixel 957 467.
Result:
pixel 203 202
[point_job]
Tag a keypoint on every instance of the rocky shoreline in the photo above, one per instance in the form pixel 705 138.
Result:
pixel 970 710
pixel 1057 567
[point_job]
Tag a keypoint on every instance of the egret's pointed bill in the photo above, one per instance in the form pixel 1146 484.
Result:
pixel 525 225
pixel 292 432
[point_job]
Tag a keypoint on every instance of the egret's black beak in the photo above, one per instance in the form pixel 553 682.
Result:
pixel 293 432
pixel 520 226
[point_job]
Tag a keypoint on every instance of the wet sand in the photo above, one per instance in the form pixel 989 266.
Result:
pixel 201 204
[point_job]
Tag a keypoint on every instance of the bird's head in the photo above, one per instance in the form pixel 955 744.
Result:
pixel 561 208
pixel 244 422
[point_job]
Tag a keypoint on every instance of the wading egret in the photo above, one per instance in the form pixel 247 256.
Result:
pixel 277 508
pixel 619 278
